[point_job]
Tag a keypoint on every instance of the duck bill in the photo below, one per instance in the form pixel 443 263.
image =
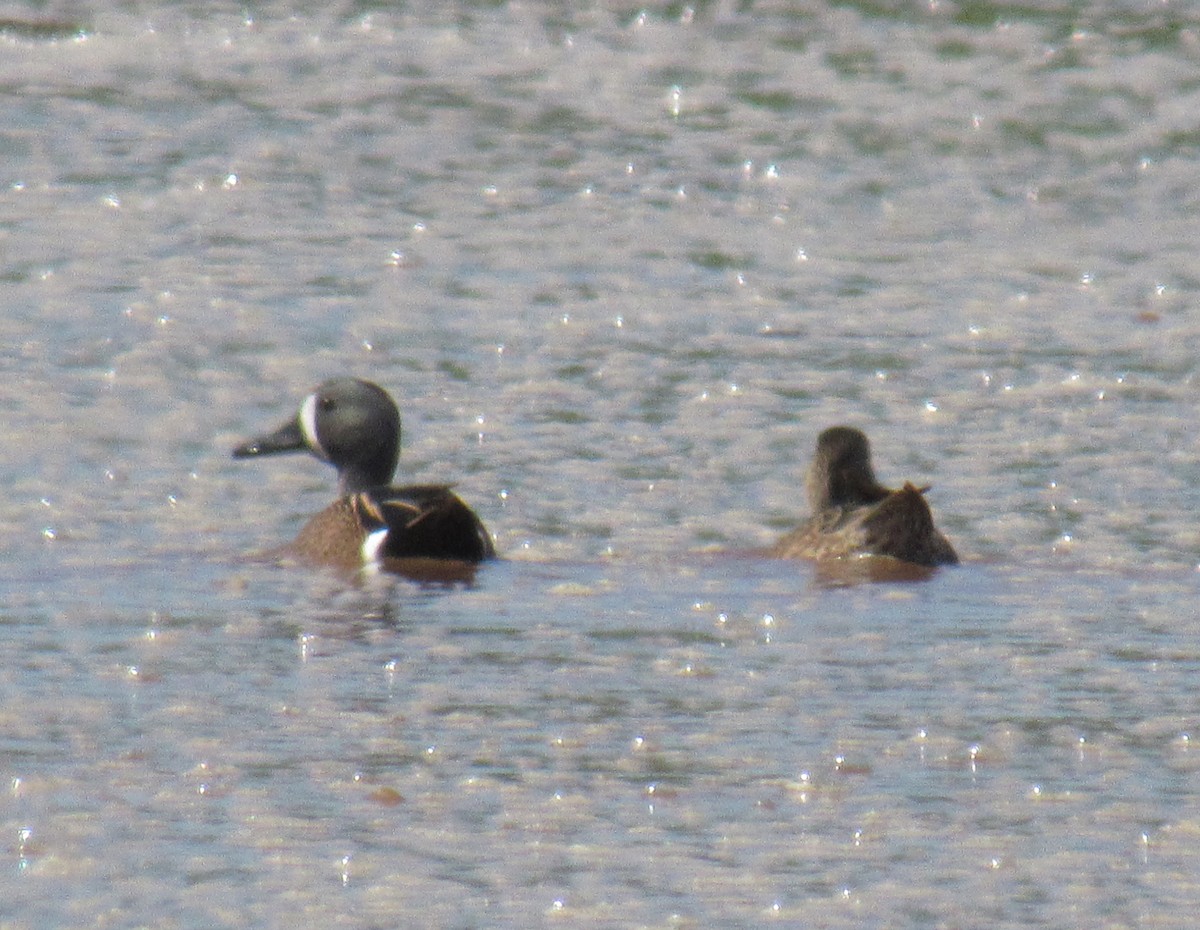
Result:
pixel 288 438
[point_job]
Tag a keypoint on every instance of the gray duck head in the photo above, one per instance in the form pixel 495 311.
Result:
pixel 351 424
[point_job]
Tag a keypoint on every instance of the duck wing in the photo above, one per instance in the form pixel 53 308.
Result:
pixel 901 526
pixel 422 522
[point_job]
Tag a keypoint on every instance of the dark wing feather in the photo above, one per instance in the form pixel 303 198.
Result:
pixel 425 522
pixel 902 526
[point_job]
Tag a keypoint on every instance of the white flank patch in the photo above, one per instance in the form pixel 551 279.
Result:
pixel 308 424
pixel 373 544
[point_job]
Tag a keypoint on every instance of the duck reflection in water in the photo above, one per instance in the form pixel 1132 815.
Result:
pixel 854 515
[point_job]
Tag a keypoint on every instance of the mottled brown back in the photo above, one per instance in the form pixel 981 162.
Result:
pixel 900 526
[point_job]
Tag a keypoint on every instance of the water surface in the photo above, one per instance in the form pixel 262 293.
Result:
pixel 619 267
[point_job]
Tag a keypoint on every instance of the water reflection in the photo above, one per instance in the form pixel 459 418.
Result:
pixel 623 267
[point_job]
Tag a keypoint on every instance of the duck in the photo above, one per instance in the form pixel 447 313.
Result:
pixel 354 425
pixel 854 515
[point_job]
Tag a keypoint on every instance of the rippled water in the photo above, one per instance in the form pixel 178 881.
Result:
pixel 619 266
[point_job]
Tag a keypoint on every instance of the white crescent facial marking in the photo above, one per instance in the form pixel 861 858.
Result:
pixel 308 424
pixel 373 545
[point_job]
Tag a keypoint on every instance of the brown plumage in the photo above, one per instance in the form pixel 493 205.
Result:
pixel 853 514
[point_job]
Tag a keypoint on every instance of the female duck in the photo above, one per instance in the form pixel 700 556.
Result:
pixel 853 514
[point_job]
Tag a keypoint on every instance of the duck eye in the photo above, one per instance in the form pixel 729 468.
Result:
pixel 327 403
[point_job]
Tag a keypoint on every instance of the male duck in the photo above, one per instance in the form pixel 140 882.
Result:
pixel 853 514
pixel 355 427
